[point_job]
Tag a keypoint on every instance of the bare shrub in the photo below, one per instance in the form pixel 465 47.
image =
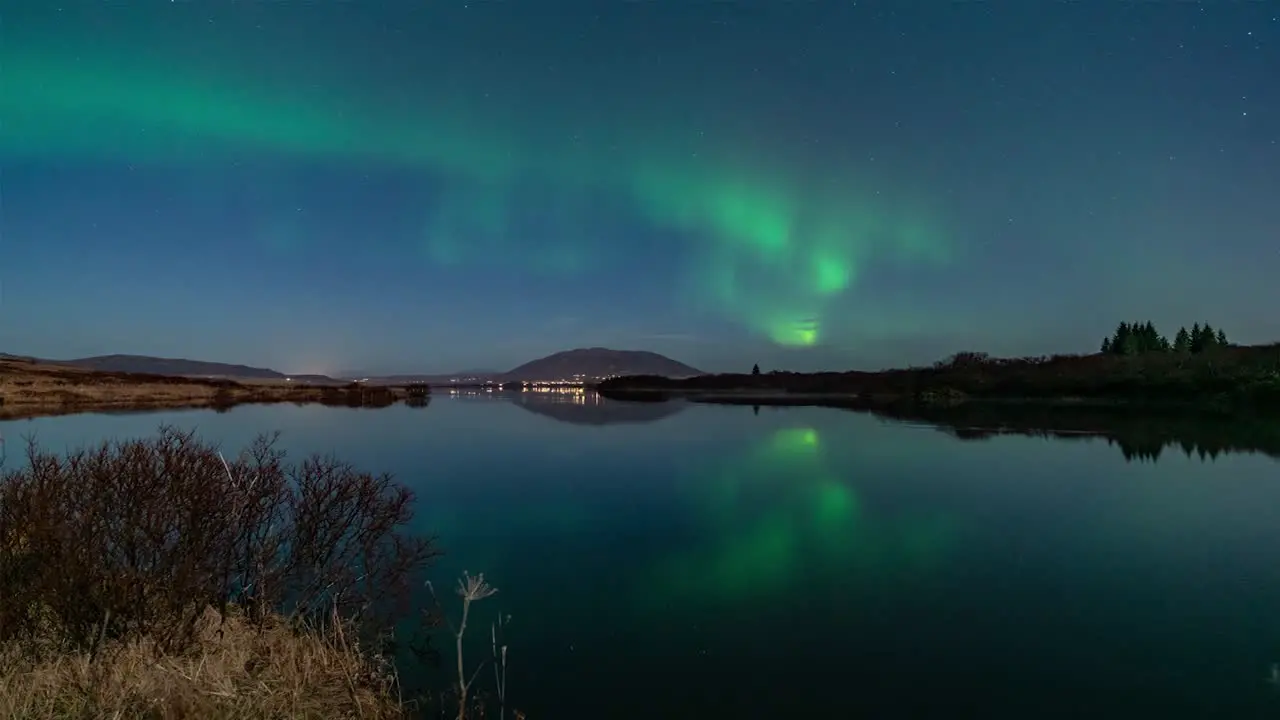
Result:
pixel 964 360
pixel 137 538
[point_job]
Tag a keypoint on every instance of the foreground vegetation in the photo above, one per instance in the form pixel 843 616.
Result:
pixel 233 669
pixel 29 389
pixel 1144 370
pixel 157 579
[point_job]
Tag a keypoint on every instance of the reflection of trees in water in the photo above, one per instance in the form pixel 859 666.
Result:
pixel 1137 444
pixel 1145 437
pixel 1141 434
pixel 1150 450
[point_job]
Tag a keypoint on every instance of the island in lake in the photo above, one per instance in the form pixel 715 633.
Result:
pixel 1136 365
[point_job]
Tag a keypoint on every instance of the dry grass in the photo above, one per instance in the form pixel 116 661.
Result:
pixel 29 389
pixel 234 670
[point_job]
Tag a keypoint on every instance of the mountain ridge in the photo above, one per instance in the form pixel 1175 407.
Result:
pixel 594 363
pixel 585 364
pixel 177 367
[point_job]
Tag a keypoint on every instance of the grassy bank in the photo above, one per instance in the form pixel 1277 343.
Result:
pixel 1226 377
pixel 232 668
pixel 157 579
pixel 29 389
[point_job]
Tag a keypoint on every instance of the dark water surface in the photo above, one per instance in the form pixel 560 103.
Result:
pixel 680 561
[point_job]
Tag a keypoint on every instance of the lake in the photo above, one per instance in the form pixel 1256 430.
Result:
pixel 683 560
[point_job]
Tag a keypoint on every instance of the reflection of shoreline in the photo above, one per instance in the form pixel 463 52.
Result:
pixel 578 406
pixel 1141 433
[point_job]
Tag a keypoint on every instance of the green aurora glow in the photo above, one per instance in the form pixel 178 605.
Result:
pixel 775 244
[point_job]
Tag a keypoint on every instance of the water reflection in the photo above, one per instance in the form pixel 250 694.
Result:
pixel 783 513
pixel 589 408
pixel 1141 434
pixel 723 563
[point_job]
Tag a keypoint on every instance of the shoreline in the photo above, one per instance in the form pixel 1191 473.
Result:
pixel 29 390
pixel 1220 378
pixel 856 401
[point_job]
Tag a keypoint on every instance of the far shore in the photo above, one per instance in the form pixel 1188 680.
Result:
pixel 853 400
pixel 1227 378
pixel 32 389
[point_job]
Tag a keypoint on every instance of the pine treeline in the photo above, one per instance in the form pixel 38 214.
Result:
pixel 1139 338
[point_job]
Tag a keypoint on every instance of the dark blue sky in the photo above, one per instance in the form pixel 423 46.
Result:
pixel 434 186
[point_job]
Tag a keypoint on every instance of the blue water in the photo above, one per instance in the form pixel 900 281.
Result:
pixel 711 561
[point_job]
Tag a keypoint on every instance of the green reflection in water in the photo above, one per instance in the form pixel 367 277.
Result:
pixel 780 516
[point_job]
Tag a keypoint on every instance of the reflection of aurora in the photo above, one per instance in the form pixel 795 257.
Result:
pixel 776 238
pixel 780 515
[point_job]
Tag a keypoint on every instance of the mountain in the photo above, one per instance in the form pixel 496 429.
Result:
pixel 595 363
pixel 171 366
pixel 182 367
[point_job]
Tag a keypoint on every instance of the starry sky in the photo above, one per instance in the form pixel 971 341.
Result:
pixel 435 186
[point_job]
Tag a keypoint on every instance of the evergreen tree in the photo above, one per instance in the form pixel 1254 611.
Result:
pixel 1197 338
pixel 1121 341
pixel 1182 341
pixel 755 369
pixel 1106 346
pixel 1222 338
pixel 1150 338
pixel 1133 343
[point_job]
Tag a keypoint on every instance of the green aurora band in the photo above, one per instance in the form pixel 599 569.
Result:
pixel 774 246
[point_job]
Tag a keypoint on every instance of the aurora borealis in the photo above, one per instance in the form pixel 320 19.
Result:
pixel 435 186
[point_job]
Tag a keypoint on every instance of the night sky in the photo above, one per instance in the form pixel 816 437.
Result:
pixel 435 186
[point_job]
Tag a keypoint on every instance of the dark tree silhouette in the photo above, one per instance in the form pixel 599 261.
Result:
pixel 1182 341
pixel 755 369
pixel 1134 339
pixel 1142 337
pixel 1204 337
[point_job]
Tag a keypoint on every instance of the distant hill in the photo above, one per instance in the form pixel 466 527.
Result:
pixel 171 366
pixel 595 363
pixel 180 367
pixel 581 364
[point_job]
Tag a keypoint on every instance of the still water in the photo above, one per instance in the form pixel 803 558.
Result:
pixel 688 560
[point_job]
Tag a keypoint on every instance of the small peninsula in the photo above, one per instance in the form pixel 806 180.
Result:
pixel 32 388
pixel 1135 365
